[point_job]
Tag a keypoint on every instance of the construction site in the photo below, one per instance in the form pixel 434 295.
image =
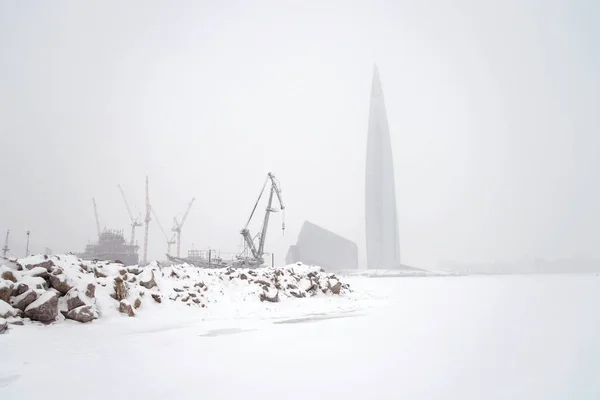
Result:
pixel 113 245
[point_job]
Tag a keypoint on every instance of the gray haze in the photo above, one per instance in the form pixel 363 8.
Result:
pixel 492 106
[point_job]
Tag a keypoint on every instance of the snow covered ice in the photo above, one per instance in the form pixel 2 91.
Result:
pixel 456 337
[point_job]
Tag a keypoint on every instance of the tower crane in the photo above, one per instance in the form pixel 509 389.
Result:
pixel 177 225
pixel 135 222
pixel 5 249
pixel 169 241
pixel 258 252
pixel 96 215
pixel 147 220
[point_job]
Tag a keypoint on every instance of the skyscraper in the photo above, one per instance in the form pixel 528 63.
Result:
pixel 383 246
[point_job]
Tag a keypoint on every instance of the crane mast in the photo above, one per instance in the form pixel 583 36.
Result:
pixel 147 220
pixel 5 249
pixel 96 215
pixel 275 190
pixel 178 225
pixel 135 222
pixel 169 241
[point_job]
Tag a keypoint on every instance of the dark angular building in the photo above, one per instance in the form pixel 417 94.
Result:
pixel 318 246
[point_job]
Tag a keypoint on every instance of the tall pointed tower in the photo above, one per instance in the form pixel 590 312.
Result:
pixel 383 246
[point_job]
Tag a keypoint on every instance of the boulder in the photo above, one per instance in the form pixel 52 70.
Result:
pixel 7 311
pixel 47 265
pixel 120 289
pixel 99 274
pixel 24 300
pixel 264 283
pixel 134 271
pixel 90 291
pixel 157 298
pixel 9 276
pixel 84 313
pixel 34 282
pixel 270 295
pixel 3 325
pixel 137 304
pixel 38 271
pixel 125 308
pixel 6 289
pixel 335 286
pixel 60 283
pixel 20 289
pixel 45 308
pixel 147 280
pixel 74 299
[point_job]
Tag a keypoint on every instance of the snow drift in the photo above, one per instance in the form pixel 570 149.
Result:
pixel 47 289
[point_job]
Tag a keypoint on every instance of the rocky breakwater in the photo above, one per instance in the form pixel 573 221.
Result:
pixel 47 289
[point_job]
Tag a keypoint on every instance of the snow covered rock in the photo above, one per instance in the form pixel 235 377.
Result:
pixel 34 282
pixel 45 308
pixel 83 290
pixel 125 308
pixel 61 283
pixel 74 299
pixel 335 286
pixel 271 295
pixel 7 311
pixel 9 276
pixel 157 298
pixel 20 289
pixel 90 291
pixel 85 313
pixel 6 289
pixel 23 300
pixel 120 289
pixel 3 325
pixel 47 265
pixel 38 271
pixel 147 279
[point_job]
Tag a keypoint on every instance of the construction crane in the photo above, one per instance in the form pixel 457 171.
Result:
pixel 249 245
pixel 5 249
pixel 96 215
pixel 177 225
pixel 147 220
pixel 169 241
pixel 135 222
pixel 27 247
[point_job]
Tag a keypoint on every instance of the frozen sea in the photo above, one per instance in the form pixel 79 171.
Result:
pixel 458 337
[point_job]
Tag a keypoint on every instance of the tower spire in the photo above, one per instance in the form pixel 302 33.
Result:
pixel 383 250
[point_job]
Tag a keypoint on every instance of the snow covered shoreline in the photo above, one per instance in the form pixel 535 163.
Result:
pixel 53 289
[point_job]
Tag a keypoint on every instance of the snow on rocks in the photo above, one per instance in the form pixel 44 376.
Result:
pixel 57 288
pixel 7 311
pixel 6 289
pixel 45 308
pixel 23 300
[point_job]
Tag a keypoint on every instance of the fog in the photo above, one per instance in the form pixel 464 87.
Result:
pixel 492 107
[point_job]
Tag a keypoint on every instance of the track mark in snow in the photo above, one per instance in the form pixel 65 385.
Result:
pixel 225 331
pixel 7 380
pixel 316 318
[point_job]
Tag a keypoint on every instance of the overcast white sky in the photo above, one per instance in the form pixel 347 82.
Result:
pixel 493 110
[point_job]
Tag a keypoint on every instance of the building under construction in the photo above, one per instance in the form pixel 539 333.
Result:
pixel 111 246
